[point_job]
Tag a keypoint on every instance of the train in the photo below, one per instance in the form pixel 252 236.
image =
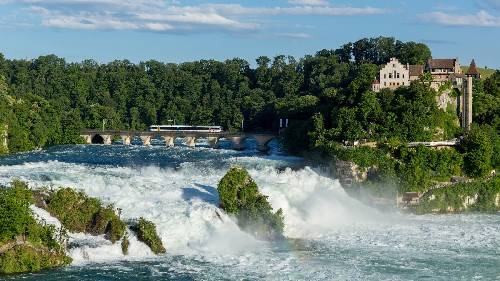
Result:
pixel 185 128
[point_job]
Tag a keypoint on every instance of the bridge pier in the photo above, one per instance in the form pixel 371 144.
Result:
pixel 213 142
pixel 146 140
pixel 237 142
pixel 108 139
pixel 87 138
pixel 262 142
pixel 126 139
pixel 97 136
pixel 191 142
pixel 169 141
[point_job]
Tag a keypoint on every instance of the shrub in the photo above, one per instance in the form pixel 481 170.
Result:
pixel 478 152
pixel 80 213
pixel 25 258
pixel 454 198
pixel 146 232
pixel 239 196
pixel 28 245
pixel 125 244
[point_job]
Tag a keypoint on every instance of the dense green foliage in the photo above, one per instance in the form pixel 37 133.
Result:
pixel 486 111
pixel 239 196
pixel 46 101
pixel 478 150
pixel 26 245
pixel 146 232
pixel 483 196
pixel 21 259
pixel 410 169
pixel 80 213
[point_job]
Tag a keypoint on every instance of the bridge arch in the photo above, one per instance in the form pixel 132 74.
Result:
pixel 97 139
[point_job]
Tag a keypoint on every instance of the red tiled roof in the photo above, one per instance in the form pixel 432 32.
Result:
pixel 416 70
pixel 442 63
pixel 472 69
pixel 457 75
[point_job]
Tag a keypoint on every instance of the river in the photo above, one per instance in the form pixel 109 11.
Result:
pixel 332 236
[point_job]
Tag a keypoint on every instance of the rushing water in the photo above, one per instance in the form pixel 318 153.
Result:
pixel 332 237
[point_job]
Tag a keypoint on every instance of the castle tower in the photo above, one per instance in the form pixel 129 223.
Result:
pixel 473 72
pixel 467 103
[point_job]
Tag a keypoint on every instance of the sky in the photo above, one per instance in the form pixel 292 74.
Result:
pixel 178 30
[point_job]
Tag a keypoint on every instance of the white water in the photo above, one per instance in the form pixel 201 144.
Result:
pixel 337 236
pixel 183 204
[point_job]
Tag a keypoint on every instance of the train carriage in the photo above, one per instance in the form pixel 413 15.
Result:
pixel 185 128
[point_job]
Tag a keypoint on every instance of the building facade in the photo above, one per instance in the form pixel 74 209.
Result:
pixel 392 76
pixel 442 71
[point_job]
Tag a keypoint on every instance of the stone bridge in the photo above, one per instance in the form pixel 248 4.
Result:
pixel 237 139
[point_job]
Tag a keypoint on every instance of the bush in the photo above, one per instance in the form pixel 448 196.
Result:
pixel 125 244
pixel 146 232
pixel 27 245
pixel 15 214
pixel 239 196
pixel 454 198
pixel 80 213
pixel 478 151
pixel 25 258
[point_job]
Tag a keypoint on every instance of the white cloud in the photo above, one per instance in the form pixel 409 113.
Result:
pixel 480 19
pixel 309 2
pixel 294 35
pixel 164 15
pixel 236 9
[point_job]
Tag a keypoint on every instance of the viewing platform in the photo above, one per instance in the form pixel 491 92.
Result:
pixel 106 137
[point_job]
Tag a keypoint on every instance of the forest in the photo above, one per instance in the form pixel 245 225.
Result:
pixel 326 96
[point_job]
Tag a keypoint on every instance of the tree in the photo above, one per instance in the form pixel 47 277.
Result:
pixel 478 151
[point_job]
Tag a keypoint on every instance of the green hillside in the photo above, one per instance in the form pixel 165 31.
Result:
pixel 485 72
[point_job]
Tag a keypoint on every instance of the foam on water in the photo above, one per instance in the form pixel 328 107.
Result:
pixel 335 235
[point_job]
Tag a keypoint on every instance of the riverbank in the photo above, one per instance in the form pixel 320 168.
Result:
pixel 28 243
pixel 397 175
pixel 474 196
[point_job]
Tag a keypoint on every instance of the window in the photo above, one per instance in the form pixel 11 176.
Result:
pixel 394 65
pixel 385 83
pixel 403 76
pixel 398 83
pixel 385 76
pixel 398 75
pixel 390 75
pixel 403 83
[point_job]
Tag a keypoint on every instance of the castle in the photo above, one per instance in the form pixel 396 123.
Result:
pixel 443 72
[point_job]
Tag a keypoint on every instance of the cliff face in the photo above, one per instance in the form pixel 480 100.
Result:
pixel 348 172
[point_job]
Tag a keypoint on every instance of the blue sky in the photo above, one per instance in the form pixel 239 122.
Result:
pixel 178 30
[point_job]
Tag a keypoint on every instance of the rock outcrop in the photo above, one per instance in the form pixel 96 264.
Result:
pixel 240 197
